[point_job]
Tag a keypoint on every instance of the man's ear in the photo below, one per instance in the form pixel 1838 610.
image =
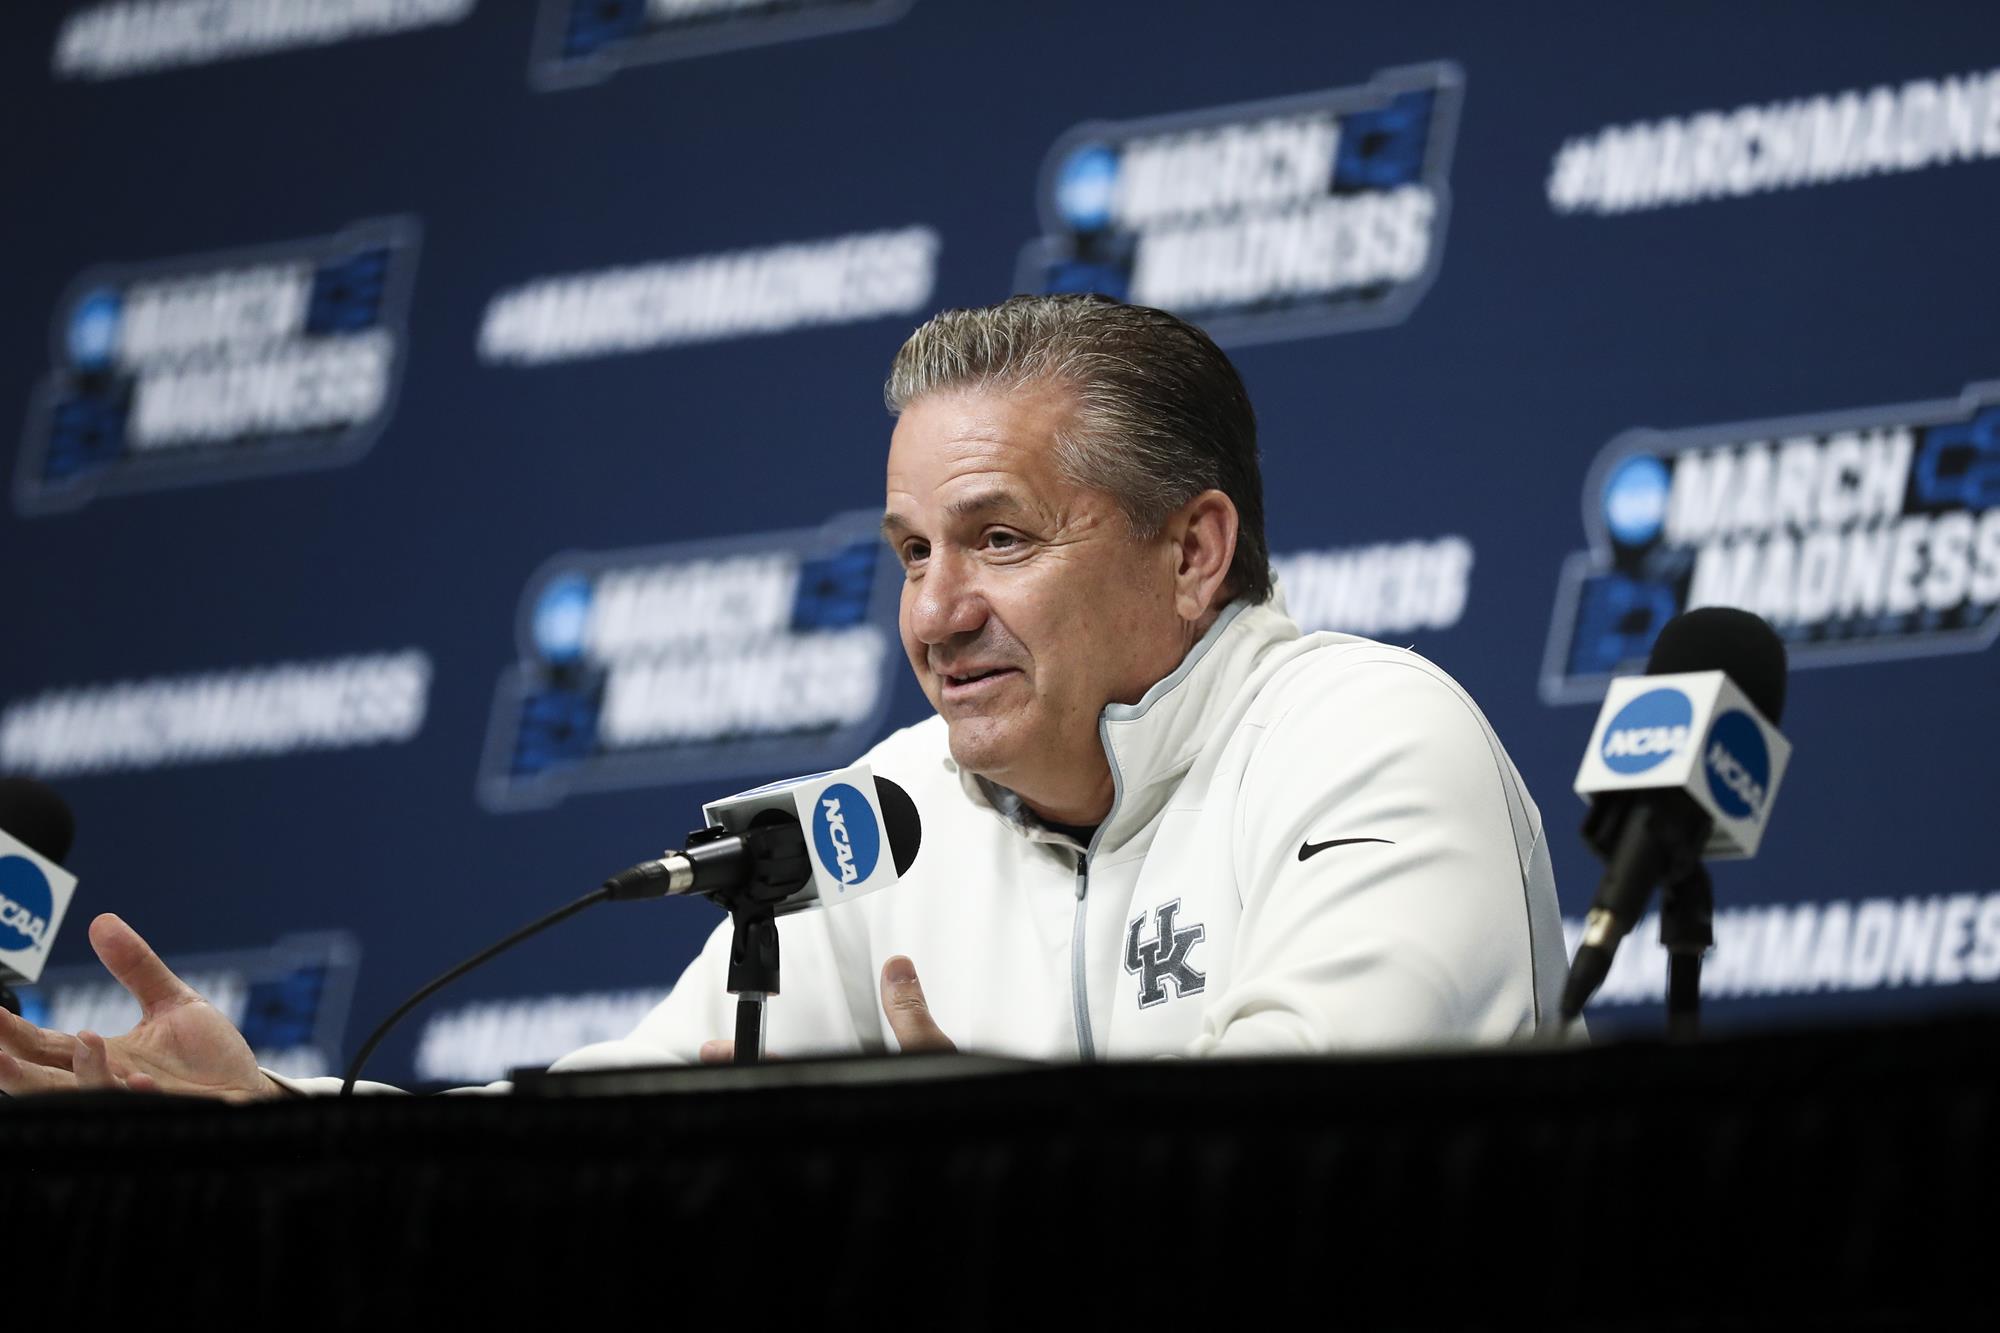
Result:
pixel 1204 537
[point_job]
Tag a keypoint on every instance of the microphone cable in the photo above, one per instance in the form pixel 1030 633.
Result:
pixel 603 893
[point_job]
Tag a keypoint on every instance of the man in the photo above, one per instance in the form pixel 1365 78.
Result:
pixel 1157 819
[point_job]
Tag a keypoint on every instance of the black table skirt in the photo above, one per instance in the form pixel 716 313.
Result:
pixel 1834 1177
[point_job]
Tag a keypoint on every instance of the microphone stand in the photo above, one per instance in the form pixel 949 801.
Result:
pixel 1643 844
pixel 778 869
pixel 1687 930
pixel 753 975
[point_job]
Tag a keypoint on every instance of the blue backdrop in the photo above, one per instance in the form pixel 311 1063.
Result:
pixel 444 426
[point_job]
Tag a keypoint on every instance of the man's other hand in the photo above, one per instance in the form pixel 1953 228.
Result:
pixel 903 1004
pixel 182 1043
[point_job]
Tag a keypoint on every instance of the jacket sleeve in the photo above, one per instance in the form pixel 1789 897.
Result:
pixel 1418 934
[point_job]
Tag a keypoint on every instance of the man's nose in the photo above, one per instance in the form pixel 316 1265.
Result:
pixel 948 602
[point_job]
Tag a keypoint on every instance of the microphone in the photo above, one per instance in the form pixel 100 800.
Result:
pixel 756 845
pixel 1683 764
pixel 755 859
pixel 36 829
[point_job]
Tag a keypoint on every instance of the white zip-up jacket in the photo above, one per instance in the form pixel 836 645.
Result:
pixel 1317 844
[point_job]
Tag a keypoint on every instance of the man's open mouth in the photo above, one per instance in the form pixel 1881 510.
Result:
pixel 973 676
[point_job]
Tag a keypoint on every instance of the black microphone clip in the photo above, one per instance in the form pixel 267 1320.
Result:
pixel 761 866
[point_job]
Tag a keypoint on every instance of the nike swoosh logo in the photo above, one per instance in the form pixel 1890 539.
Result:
pixel 1315 848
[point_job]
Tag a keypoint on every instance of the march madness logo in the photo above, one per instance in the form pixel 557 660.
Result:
pixel 1859 535
pixel 226 365
pixel 768 653
pixel 584 41
pixel 1264 220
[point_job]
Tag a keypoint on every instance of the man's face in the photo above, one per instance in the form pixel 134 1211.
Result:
pixel 1027 604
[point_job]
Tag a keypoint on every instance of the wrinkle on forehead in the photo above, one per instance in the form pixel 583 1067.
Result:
pixel 999 500
pixel 969 454
pixel 1025 420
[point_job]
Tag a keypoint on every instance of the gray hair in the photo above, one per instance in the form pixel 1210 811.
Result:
pixel 1161 415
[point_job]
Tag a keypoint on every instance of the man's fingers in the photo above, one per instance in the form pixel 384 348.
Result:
pixel 908 1013
pixel 19 1078
pixel 138 969
pixel 93 1065
pixel 37 1046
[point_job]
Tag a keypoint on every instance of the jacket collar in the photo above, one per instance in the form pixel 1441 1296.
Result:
pixel 1151 744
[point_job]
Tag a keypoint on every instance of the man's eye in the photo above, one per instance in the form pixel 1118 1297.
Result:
pixel 913 552
pixel 1002 540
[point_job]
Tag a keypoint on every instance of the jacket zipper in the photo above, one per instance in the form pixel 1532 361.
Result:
pixel 1079 983
pixel 1086 1045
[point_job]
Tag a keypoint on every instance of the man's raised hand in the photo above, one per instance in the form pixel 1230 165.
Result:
pixel 182 1043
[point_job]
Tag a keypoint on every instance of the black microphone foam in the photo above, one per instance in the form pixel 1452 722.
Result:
pixel 1740 645
pixel 37 816
pixel 900 822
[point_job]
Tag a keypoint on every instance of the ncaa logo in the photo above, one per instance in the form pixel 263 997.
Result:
pixel 562 618
pixel 1635 500
pixel 844 834
pixel 1087 187
pixel 93 329
pixel 25 903
pixel 1647 732
pixel 1738 764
